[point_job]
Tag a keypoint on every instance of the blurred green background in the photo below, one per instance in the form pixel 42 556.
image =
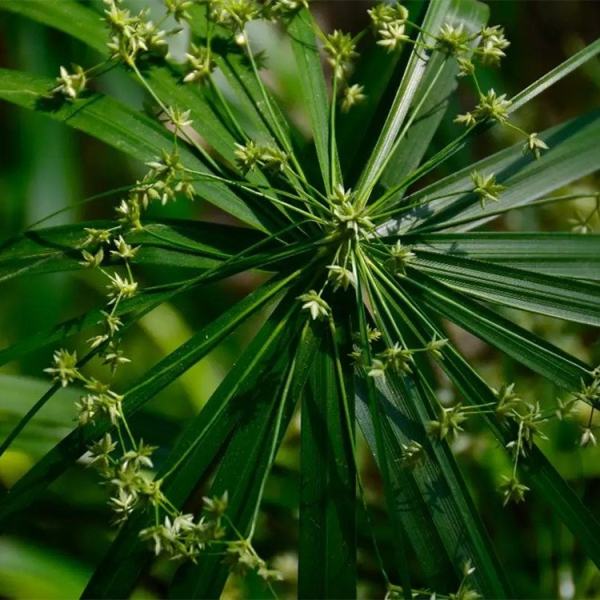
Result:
pixel 52 548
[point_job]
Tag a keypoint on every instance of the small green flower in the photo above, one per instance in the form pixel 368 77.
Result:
pixel 234 14
pixel 179 9
pixel 123 249
pixel 485 187
pixel 508 400
pixel 251 155
pixel 340 195
pixel 465 66
pixel 534 145
pixel 351 96
pixel 179 119
pixel 492 44
pixel 397 358
pixel 121 288
pixel 200 64
pixel 91 261
pixel 449 425
pixel 341 277
pixel 413 453
pixel 401 257
pixel 318 308
pixel 217 505
pixel 383 14
pixel 392 36
pixel 114 357
pixel 96 236
pixel 340 49
pixel 588 438
pixel 64 369
pixel 512 489
pixel 467 119
pixel 72 84
pixel 349 218
pixel 435 346
pixel 453 40
pixel 492 106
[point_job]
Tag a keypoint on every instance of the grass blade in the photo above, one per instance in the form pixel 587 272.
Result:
pixel 558 254
pixel 558 297
pixel 327 544
pixel 162 374
pixel 573 154
pixel 235 401
pixel 310 72
pixel 117 125
pixel 251 452
pixel 473 16
pixel 525 347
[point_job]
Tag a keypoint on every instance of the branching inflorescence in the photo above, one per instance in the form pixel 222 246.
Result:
pixel 342 225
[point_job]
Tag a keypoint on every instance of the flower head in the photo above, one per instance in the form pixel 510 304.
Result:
pixel 340 49
pixel 485 187
pixel 200 64
pixel 351 96
pixel 512 489
pixel 318 308
pixel 72 84
pixel 64 369
pixel 534 145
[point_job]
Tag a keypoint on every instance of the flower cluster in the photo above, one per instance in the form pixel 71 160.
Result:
pixel 449 423
pixel 393 358
pixel 389 24
pixel 340 49
pixel 251 155
pixel 165 179
pixel 133 36
pixel 485 187
pixel 400 257
pixel 200 64
pixel 485 46
pixel 528 418
pixel 71 85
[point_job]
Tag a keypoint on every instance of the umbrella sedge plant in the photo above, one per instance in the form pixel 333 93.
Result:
pixel 370 257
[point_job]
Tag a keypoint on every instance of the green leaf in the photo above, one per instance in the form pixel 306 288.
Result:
pixel 559 297
pixel 540 474
pixel 71 17
pixel 408 405
pixel 525 347
pixel 245 466
pixel 559 254
pixel 157 378
pixel 183 244
pixel 237 399
pixel 375 69
pixel 312 83
pixel 573 153
pixel 148 298
pixel 407 90
pixel 327 544
pixel 473 16
pixel 411 505
pixel 454 512
pixel 117 125
pixel 519 100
